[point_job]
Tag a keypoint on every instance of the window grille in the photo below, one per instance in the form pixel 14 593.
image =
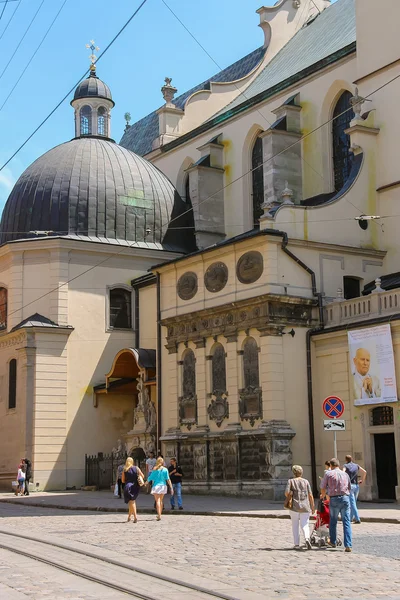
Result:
pixel 86 120
pixel 102 121
pixel 12 383
pixel 342 157
pixel 258 181
pixel 381 415
pixel 120 309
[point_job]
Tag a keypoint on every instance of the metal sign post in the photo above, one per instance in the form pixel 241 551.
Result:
pixel 333 407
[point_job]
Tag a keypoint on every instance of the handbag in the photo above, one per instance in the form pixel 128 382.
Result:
pixel 140 480
pixel 289 499
pixel 116 490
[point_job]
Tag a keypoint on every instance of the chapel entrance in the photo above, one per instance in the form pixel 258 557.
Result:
pixel 139 458
pixel 386 467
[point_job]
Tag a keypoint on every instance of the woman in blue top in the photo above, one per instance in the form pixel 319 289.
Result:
pixel 160 479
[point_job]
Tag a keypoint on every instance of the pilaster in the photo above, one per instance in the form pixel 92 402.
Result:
pixel 201 385
pixel 58 282
pixel 232 378
pixel 272 375
pixel 15 290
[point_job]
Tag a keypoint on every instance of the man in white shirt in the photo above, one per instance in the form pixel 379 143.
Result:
pixel 150 463
pixel 365 384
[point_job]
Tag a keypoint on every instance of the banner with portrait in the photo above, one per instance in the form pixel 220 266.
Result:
pixel 373 379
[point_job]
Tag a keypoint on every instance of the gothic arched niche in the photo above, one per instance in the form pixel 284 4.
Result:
pixel 257 159
pixel 218 370
pixel 342 157
pixel 218 409
pixel 250 402
pixel 188 400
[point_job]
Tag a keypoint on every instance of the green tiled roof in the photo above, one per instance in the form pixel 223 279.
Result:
pixel 331 31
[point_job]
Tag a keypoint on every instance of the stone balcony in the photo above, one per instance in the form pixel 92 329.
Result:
pixel 377 304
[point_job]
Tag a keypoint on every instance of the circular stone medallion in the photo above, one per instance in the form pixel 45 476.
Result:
pixel 216 277
pixel 250 267
pixel 187 286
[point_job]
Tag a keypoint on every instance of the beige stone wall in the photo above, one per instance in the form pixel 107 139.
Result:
pixel 148 317
pixel 12 421
pixel 332 376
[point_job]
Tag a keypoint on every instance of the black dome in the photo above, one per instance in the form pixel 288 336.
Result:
pixel 93 87
pixel 93 188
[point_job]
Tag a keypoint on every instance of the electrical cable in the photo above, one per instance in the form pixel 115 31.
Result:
pixel 4 8
pixel 130 246
pixel 34 54
pixel 22 39
pixel 73 87
pixel 11 18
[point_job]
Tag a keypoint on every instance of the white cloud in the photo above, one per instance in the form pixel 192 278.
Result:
pixel 7 181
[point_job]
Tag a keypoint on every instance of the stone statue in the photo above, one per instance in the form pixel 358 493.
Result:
pixel 152 416
pixel 118 452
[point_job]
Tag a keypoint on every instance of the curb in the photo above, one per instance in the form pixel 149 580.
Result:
pixel 198 513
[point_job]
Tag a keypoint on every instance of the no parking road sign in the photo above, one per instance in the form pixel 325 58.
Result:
pixel 333 407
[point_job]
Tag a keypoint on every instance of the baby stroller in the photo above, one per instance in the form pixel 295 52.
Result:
pixel 320 533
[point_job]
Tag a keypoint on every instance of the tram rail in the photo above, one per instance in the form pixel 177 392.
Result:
pixel 13 542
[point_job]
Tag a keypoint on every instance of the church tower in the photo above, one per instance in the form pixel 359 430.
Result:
pixel 92 103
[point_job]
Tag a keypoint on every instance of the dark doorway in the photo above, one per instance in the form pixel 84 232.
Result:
pixel 386 468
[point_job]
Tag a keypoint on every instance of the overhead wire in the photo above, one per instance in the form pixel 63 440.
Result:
pixel 74 86
pixel 34 54
pixel 130 246
pixel 241 92
pixel 22 39
pixel 10 19
pixel 4 8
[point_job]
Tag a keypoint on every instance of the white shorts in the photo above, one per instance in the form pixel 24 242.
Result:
pixel 160 488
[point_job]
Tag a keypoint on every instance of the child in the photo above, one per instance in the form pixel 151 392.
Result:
pixel 21 479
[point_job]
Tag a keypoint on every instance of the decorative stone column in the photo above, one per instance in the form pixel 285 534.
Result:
pixel 232 377
pixel 201 382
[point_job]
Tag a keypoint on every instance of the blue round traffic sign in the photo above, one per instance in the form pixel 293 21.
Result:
pixel 333 407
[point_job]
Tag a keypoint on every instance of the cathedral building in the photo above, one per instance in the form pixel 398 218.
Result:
pixel 202 287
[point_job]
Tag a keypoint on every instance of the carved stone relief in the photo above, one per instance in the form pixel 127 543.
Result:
pixel 218 410
pixel 249 267
pixel 216 276
pixel 250 404
pixel 187 286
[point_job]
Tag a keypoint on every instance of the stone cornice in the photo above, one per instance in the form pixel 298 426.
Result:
pixel 337 248
pixel 269 313
pixel 7 340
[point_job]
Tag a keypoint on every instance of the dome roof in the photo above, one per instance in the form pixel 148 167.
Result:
pixel 93 87
pixel 93 188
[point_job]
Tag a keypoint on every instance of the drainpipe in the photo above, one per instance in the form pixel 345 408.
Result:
pixel 309 333
pixel 158 372
pixel 137 319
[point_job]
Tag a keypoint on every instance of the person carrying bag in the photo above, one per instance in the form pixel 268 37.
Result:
pixel 300 503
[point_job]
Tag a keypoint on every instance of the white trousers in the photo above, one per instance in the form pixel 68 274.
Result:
pixel 301 519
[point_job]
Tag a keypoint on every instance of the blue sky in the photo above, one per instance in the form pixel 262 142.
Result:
pixel 154 46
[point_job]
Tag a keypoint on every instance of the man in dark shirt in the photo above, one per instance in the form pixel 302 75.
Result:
pixel 354 471
pixel 175 474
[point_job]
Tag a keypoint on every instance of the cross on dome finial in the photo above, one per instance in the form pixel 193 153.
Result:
pixel 92 46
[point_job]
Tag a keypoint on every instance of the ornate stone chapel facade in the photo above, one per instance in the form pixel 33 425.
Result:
pixel 259 215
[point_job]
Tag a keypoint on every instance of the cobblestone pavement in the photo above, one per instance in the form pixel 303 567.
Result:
pixel 104 500
pixel 253 554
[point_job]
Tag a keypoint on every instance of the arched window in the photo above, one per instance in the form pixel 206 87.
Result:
pixel 257 181
pixel 188 400
pixel 120 308
pixel 3 308
pixel 342 157
pixel 187 191
pixel 218 369
pixel 12 383
pixel 86 120
pixel 102 121
pixel 250 403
